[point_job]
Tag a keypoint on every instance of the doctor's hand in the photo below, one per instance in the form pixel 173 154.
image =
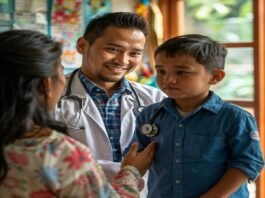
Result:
pixel 140 160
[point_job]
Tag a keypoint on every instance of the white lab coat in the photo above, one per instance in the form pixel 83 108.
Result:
pixel 95 135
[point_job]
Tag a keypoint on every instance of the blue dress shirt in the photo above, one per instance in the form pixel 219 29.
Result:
pixel 194 152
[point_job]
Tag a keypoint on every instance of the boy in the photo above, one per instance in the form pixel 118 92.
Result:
pixel 206 147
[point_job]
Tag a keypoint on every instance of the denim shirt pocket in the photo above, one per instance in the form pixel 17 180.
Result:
pixel 205 148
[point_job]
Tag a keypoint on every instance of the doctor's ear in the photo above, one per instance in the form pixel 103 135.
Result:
pixel 81 44
pixel 217 76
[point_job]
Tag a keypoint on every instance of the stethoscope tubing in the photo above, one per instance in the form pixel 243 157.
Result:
pixel 68 95
pixel 69 92
pixel 139 107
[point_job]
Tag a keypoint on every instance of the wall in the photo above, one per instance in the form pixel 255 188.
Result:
pixel 123 5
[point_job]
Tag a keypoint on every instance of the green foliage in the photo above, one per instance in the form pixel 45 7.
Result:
pixel 226 20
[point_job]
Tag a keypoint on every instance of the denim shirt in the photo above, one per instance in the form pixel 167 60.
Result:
pixel 194 152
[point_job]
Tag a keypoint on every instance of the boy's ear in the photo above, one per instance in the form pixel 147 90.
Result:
pixel 81 44
pixel 217 76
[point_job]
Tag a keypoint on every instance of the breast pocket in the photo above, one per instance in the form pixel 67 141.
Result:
pixel 204 148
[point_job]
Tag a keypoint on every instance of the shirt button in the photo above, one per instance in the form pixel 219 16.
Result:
pixel 177 181
pixel 178 160
pixel 180 125
pixel 177 144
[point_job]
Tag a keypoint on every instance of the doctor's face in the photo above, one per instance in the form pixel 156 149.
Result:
pixel 112 55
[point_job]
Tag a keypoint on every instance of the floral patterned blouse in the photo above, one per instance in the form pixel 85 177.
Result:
pixel 59 166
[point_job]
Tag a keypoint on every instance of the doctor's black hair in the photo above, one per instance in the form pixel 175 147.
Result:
pixel 207 52
pixel 27 58
pixel 97 26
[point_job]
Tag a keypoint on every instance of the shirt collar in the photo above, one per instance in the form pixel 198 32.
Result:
pixel 125 86
pixel 214 103
pixel 88 84
pixel 92 87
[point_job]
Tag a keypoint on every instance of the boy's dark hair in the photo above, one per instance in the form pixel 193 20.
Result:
pixel 100 23
pixel 209 53
pixel 27 58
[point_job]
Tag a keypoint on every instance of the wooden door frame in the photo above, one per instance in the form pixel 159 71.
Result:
pixel 173 17
pixel 259 72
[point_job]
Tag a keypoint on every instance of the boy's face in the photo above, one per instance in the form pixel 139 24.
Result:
pixel 182 78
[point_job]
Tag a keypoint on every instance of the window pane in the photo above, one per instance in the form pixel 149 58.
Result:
pixel 238 83
pixel 224 20
pixel 4 15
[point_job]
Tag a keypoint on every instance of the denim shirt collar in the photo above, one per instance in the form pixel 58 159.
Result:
pixel 214 103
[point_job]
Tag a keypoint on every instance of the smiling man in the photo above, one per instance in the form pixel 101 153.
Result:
pixel 100 105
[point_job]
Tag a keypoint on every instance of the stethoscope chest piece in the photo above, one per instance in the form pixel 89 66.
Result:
pixel 150 130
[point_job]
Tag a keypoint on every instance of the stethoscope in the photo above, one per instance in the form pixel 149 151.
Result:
pixel 138 107
pixel 69 96
pixel 149 129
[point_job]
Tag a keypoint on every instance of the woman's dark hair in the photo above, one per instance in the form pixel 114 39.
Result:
pixel 27 58
pixel 97 26
pixel 209 53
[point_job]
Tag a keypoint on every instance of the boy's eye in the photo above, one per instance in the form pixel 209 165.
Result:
pixel 182 73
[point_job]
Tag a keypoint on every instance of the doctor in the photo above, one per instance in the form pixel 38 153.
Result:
pixel 100 105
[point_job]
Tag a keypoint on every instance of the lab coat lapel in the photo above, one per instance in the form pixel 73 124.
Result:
pixel 90 108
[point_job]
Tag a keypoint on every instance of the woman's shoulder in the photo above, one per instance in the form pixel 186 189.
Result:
pixel 55 145
pixel 67 142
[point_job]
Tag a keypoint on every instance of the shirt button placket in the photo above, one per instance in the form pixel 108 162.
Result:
pixel 178 160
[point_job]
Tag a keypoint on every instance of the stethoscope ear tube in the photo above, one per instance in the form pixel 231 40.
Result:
pixel 68 89
pixel 137 109
pixel 68 93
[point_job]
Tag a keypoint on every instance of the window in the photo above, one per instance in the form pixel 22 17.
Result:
pixel 229 22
